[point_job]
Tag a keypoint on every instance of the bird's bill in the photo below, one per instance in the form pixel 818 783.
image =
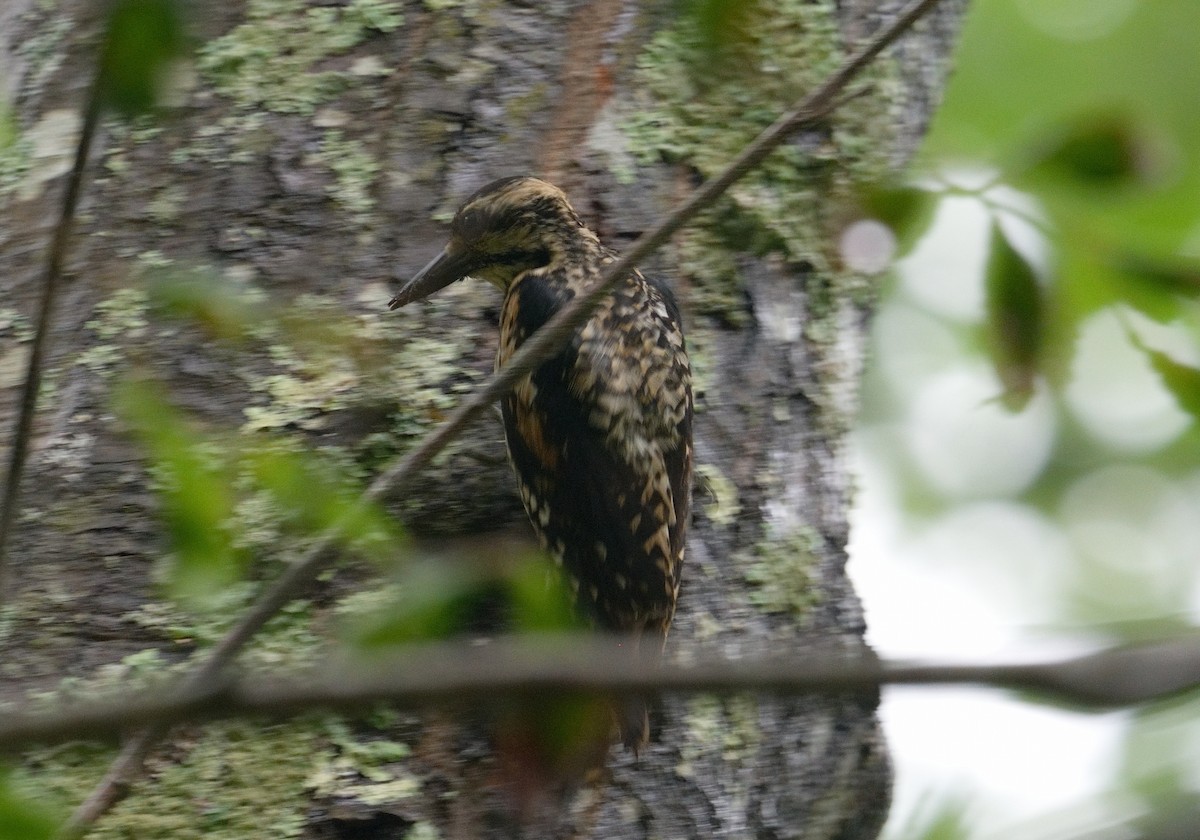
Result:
pixel 442 270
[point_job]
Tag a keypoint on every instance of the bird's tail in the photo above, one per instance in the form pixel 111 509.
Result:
pixel 633 711
pixel 633 722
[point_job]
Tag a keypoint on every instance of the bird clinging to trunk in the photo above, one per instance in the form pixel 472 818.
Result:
pixel 600 435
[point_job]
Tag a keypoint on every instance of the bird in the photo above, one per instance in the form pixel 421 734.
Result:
pixel 600 434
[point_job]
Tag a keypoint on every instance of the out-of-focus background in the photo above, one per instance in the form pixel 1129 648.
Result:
pixel 1033 492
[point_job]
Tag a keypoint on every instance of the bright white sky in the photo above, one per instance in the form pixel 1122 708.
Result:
pixel 974 583
pixel 1011 761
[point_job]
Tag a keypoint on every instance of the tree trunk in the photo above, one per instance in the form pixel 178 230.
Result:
pixel 311 155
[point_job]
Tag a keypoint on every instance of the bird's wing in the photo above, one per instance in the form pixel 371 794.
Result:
pixel 600 437
pixel 605 519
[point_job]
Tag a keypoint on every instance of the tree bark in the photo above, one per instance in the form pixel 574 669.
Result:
pixel 314 168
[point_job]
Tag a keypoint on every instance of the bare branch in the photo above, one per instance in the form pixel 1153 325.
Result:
pixel 55 257
pixel 461 674
pixel 543 344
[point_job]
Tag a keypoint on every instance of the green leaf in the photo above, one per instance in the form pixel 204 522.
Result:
pixel 436 601
pixel 546 738
pixel 195 488
pixel 1015 320
pixel 318 499
pixel 720 27
pixel 452 595
pixel 938 819
pixel 718 21
pixel 21 819
pixel 539 599
pixel 224 312
pixel 142 39
pixel 1183 381
pixel 1177 276
pixel 199 479
pixel 1106 151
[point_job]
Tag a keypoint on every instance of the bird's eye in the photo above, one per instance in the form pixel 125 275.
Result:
pixel 470 225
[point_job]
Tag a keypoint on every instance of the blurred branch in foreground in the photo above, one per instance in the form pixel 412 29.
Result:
pixel 464 673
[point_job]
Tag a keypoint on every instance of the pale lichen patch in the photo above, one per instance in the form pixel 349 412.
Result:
pixel 271 59
pixel 699 108
pixel 782 572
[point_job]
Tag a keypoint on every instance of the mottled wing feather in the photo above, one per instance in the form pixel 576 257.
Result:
pixel 600 439
pixel 678 462
pixel 678 459
pixel 578 512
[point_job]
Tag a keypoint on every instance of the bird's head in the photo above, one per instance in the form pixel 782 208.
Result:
pixel 506 228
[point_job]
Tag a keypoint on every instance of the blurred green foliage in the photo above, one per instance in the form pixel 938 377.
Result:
pixel 720 25
pixel 1110 151
pixel 143 38
pixel 1015 314
pixel 196 489
pixel 199 477
pixel 224 313
pixel 1071 133
pixel 224 492
pixel 433 599
pixel 21 819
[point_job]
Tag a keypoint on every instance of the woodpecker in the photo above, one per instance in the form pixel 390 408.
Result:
pixel 600 435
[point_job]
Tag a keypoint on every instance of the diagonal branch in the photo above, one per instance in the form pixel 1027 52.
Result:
pixel 550 338
pixel 543 344
pixel 463 674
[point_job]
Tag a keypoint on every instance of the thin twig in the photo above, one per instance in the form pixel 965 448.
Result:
pixel 543 344
pixel 55 258
pixel 112 788
pixel 466 674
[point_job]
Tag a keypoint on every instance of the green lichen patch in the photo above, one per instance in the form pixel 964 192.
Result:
pixel 355 170
pixel 704 353
pixel 274 59
pixel 230 139
pixel 706 256
pixel 723 506
pixel 167 204
pixel 229 782
pixel 423 831
pixel 289 640
pixel 371 770
pixel 123 313
pixel 43 51
pixel 701 109
pixel 32 156
pixel 724 728
pixel 781 572
pixel 207 784
pixel 16 150
pixel 116 320
pixel 15 331
pixel 41 153
pixel 521 107
pixel 142 671
pixel 386 367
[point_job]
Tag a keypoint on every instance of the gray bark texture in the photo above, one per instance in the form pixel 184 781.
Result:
pixel 310 156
